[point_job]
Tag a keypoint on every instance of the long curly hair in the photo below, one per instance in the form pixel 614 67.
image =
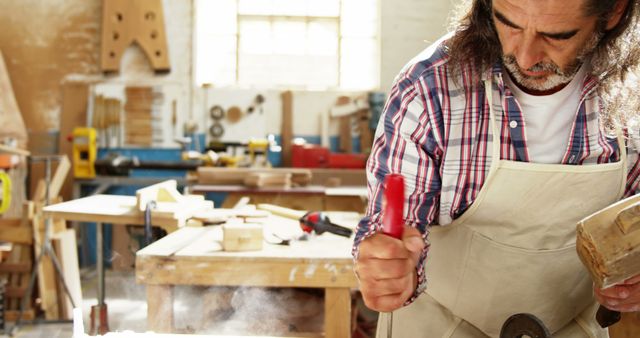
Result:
pixel 615 61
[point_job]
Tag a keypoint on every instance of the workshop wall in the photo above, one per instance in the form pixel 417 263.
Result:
pixel 46 43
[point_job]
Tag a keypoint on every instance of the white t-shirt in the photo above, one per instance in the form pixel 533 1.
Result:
pixel 548 118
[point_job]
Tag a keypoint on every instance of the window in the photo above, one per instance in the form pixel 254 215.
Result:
pixel 288 43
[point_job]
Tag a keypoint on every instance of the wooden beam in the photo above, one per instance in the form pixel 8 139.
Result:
pixel 286 133
pixel 18 235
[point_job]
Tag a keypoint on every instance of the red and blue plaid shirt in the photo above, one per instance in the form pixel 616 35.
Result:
pixel 435 131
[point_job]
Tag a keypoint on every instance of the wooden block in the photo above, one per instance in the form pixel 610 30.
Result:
pixel 127 21
pixel 610 255
pixel 64 244
pixel 242 237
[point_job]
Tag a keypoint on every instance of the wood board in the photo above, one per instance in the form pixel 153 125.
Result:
pixel 64 244
pixel 127 21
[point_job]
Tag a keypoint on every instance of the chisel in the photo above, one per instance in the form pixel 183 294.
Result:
pixel 392 224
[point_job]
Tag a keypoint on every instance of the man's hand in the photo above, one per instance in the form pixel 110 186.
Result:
pixel 623 297
pixel 386 268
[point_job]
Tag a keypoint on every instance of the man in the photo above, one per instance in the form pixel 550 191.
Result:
pixel 507 134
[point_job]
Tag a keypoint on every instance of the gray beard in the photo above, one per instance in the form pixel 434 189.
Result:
pixel 557 77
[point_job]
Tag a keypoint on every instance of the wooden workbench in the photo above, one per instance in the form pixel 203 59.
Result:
pixel 113 209
pixel 194 256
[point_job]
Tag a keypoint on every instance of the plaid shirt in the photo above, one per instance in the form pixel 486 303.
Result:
pixel 435 131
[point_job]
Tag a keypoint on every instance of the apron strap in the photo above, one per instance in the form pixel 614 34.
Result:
pixel 495 156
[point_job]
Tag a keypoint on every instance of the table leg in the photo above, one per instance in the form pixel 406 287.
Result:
pixel 337 312
pixel 160 308
pixel 100 263
pixel 99 314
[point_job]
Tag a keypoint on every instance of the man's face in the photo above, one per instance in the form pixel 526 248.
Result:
pixel 544 41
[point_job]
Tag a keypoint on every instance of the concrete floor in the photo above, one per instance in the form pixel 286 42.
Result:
pixel 126 302
pixel 255 310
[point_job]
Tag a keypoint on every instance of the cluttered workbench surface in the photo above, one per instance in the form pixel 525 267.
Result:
pixel 195 256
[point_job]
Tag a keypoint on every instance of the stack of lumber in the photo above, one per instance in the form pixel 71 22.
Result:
pixel 16 268
pixel 28 234
pixel 254 177
pixel 139 116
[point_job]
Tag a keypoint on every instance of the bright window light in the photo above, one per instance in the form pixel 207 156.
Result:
pixel 297 44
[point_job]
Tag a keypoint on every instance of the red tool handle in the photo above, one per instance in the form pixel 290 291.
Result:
pixel 393 205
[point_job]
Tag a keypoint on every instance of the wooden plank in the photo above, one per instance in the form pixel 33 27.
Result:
pixel 64 244
pixel 15 267
pixel 106 209
pixel 186 271
pixel 179 240
pixel 287 127
pixel 160 308
pixel 19 235
pixel 337 313
pixel 12 315
pixel 46 275
pixel 348 177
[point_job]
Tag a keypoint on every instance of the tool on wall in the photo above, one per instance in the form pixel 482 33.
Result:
pixel 84 152
pixel 608 244
pixel 256 104
pixel 217 114
pixel 392 224
pixel 234 114
pixel 127 21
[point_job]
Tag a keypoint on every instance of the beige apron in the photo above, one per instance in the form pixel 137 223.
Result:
pixel 514 251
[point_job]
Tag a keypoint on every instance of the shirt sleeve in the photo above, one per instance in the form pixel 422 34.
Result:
pixel 404 143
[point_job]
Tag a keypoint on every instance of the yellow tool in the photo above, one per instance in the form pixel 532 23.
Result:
pixel 5 182
pixel 258 147
pixel 84 152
